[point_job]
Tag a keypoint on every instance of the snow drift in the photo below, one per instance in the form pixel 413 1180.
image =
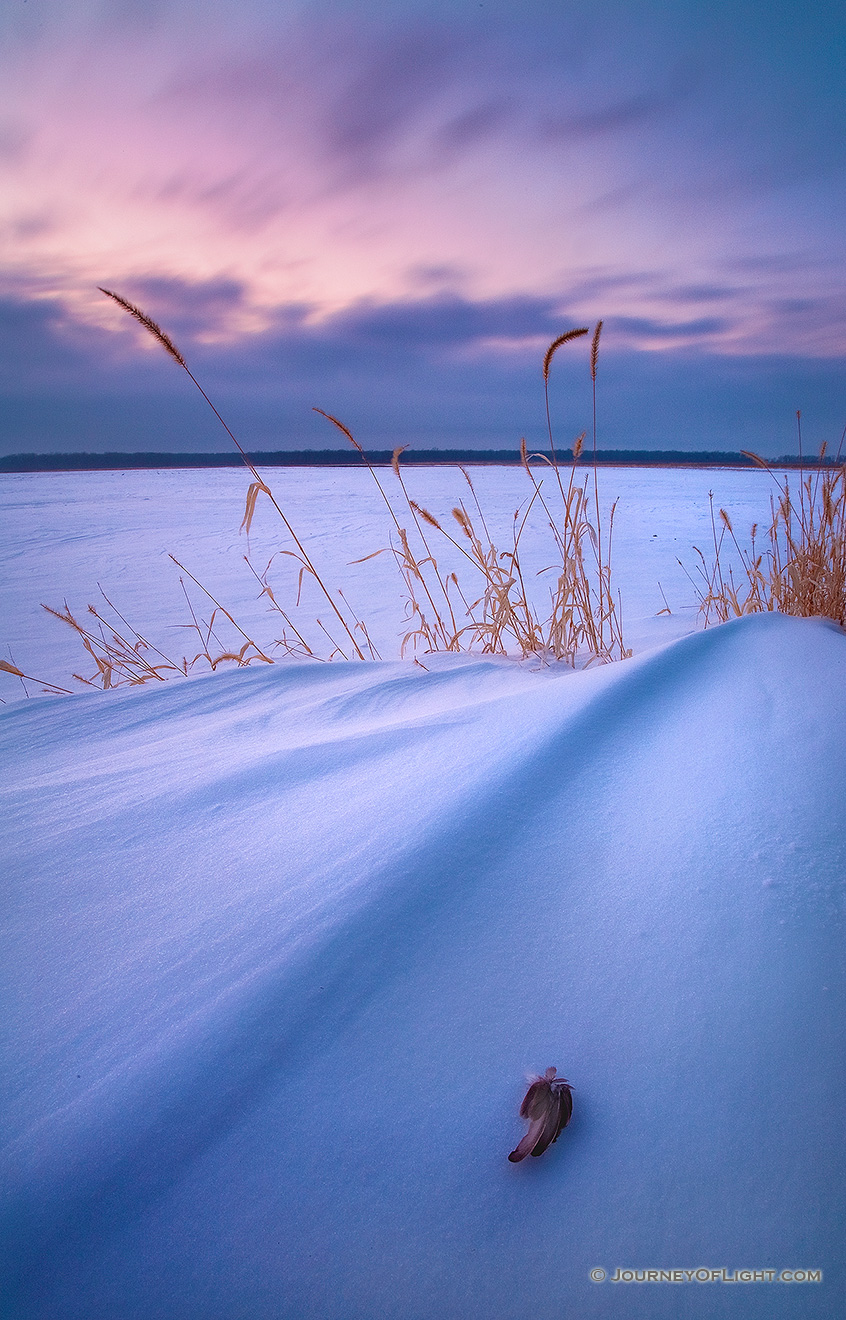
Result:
pixel 282 946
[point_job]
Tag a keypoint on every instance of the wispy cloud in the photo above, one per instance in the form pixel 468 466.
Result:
pixel 619 115
pixel 425 182
pixel 429 372
pixel 397 79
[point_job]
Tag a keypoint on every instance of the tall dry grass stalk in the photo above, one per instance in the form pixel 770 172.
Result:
pixel 800 570
pixel 258 486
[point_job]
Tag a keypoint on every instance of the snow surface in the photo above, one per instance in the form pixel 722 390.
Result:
pixel 281 945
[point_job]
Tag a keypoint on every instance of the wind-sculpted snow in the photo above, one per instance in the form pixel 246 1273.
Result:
pixel 283 946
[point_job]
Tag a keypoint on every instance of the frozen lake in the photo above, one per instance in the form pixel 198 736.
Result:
pixel 63 533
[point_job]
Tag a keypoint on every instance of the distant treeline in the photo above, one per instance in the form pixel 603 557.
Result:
pixel 349 458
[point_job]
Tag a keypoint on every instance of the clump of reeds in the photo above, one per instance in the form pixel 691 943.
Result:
pixel 801 567
pixel 123 657
pixel 495 611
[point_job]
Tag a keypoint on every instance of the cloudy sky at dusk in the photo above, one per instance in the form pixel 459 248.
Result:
pixel 388 210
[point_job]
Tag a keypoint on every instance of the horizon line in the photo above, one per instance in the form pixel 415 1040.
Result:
pixel 84 460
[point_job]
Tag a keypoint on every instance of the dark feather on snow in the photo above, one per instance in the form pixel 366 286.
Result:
pixel 548 1107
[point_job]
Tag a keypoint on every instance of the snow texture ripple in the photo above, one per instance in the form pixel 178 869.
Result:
pixel 281 947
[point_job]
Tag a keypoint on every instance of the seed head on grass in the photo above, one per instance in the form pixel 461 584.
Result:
pixel 340 425
pixel 426 515
pixel 148 323
pixel 556 344
pixel 756 458
pixel 594 350
pixel 464 523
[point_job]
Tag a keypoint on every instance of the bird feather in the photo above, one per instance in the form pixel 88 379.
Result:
pixel 548 1106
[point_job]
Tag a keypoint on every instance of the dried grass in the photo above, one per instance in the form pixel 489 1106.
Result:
pixel 801 568
pixel 495 612
pixel 119 661
pixel 482 602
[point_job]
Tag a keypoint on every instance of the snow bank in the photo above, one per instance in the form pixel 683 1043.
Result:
pixel 282 945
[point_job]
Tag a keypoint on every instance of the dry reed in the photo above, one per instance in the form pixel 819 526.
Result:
pixel 800 570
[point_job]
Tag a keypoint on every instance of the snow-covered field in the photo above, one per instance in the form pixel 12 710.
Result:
pixel 63 533
pixel 281 944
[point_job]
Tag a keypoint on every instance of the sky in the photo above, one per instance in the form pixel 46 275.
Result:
pixel 388 212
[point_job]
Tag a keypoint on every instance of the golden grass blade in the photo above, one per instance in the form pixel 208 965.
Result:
pixel 365 558
pixel 222 610
pixel 255 488
pixel 141 642
pixel 236 656
pixel 266 590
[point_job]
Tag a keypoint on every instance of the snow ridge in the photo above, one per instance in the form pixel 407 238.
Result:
pixel 284 944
